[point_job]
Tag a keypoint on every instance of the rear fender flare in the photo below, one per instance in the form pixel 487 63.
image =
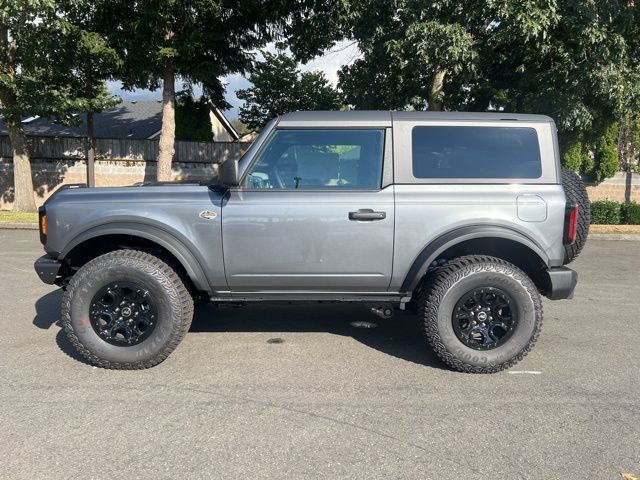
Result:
pixel 447 240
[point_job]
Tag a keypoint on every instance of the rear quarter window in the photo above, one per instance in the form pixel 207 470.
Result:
pixel 475 152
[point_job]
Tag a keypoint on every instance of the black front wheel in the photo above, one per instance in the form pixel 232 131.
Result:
pixel 126 310
pixel 481 314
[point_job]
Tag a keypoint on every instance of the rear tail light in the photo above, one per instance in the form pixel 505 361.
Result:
pixel 42 216
pixel 570 224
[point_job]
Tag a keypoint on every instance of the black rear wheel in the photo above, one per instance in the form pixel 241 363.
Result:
pixel 481 314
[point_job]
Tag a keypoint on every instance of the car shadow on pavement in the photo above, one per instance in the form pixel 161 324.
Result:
pixel 47 315
pixel 48 310
pixel 399 336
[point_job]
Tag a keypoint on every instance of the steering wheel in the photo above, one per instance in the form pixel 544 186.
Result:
pixel 257 182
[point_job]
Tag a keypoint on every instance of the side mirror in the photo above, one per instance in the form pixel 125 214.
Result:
pixel 229 173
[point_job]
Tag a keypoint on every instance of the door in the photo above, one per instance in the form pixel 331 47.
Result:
pixel 311 215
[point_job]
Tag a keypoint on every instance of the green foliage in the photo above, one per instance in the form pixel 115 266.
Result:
pixel 606 154
pixel 279 87
pixel 598 159
pixel 605 212
pixel 52 64
pixel 192 119
pixel 240 127
pixel 199 41
pixel 50 53
pixel 630 213
pixel 576 61
pixel 575 156
pixel 608 212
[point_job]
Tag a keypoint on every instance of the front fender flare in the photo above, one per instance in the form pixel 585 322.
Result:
pixel 163 238
pixel 447 240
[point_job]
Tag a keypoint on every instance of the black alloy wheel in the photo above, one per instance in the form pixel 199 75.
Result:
pixel 484 318
pixel 123 313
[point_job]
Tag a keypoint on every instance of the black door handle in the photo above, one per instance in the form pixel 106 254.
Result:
pixel 367 214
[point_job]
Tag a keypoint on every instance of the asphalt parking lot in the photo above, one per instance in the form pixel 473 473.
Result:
pixel 331 400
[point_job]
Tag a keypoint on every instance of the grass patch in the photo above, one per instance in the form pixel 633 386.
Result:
pixel 18 217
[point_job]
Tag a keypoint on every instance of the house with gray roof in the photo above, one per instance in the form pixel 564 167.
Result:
pixel 128 120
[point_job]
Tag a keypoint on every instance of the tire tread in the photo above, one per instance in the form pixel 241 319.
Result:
pixel 576 192
pixel 179 292
pixel 439 283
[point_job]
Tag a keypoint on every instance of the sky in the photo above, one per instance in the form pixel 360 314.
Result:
pixel 341 54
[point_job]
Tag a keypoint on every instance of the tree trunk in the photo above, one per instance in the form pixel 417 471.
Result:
pixel 626 154
pixel 90 141
pixel 22 180
pixel 168 132
pixel 435 91
pixel 90 147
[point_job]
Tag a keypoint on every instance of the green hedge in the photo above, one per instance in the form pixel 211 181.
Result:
pixel 607 212
pixel 630 213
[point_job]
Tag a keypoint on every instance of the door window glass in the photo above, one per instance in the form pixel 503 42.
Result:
pixel 319 159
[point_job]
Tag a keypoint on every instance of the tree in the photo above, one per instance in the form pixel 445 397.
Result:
pixel 199 41
pixel 240 127
pixel 575 60
pixel 413 51
pixel 580 65
pixel 90 61
pixel 35 79
pixel 192 118
pixel 18 83
pixel 279 87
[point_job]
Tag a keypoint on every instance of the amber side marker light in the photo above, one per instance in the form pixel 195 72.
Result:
pixel 43 225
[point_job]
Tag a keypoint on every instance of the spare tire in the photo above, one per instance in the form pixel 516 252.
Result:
pixel 576 193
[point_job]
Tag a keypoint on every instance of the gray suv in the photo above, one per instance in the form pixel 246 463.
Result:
pixel 464 218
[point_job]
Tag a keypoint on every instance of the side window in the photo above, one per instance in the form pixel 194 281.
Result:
pixel 319 159
pixel 475 152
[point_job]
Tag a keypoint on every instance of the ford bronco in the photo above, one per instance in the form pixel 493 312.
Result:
pixel 465 218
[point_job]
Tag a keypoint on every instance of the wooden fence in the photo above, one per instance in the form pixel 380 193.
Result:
pixel 57 148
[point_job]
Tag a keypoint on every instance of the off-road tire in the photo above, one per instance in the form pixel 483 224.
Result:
pixel 449 283
pixel 174 312
pixel 576 193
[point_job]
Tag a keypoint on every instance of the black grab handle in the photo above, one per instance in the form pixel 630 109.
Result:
pixel 367 214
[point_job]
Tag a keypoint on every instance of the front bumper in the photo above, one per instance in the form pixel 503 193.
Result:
pixel 562 283
pixel 47 269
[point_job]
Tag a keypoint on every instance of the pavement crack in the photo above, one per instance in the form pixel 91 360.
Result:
pixel 329 419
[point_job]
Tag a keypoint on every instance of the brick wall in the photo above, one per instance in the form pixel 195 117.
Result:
pixel 48 176
pixel 619 188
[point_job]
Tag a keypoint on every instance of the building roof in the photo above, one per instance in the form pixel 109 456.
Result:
pixel 224 122
pixel 135 120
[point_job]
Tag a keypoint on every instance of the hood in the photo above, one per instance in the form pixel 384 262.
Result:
pixel 147 192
